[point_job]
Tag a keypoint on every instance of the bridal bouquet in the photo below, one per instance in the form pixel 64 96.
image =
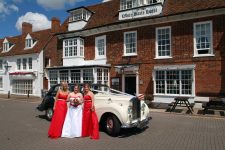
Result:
pixel 75 101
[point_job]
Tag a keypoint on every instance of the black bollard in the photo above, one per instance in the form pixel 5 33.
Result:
pixel 8 94
pixel 28 93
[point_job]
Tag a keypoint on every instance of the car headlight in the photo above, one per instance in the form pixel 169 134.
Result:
pixel 143 108
pixel 130 110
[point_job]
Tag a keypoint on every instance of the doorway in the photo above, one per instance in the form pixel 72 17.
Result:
pixel 130 85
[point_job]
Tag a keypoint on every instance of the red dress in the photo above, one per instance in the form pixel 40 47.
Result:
pixel 55 129
pixel 90 126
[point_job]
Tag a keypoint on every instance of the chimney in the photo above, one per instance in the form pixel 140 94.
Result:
pixel 26 28
pixel 55 25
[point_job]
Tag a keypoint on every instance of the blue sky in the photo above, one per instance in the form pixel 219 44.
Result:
pixel 37 12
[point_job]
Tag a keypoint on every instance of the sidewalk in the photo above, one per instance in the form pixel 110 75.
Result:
pixel 164 108
pixel 21 98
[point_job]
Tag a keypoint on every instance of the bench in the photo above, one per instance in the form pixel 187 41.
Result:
pixel 182 102
pixel 214 104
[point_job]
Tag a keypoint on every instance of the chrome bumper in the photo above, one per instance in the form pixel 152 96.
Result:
pixel 138 124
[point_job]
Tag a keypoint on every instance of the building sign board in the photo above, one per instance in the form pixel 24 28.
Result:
pixel 146 11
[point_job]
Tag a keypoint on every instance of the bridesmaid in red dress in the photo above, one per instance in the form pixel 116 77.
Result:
pixel 90 126
pixel 60 109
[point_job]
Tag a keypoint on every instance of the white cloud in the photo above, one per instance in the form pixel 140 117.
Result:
pixel 56 4
pixel 38 21
pixel 105 1
pixel 6 9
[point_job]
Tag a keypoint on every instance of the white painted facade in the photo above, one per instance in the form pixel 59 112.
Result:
pixel 10 73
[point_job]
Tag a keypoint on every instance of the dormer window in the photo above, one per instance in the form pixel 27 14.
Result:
pixel 152 1
pixel 79 14
pixel 29 42
pixel 128 4
pixel 131 9
pixel 78 18
pixel 7 45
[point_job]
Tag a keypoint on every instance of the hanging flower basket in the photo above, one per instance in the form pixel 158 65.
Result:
pixel 21 73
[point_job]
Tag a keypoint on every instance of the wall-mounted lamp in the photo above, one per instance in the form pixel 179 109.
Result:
pixel 5 63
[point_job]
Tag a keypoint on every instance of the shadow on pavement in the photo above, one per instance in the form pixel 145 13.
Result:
pixel 132 131
pixel 42 117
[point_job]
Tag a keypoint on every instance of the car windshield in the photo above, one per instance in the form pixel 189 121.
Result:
pixel 95 88
pixel 104 89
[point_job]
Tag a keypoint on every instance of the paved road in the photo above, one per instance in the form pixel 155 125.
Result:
pixel 23 128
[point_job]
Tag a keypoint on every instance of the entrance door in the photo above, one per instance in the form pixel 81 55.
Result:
pixel 130 85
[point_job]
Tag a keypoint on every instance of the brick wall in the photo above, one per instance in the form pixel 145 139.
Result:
pixel 209 72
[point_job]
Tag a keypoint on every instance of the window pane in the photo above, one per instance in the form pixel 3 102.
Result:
pixel 22 86
pixel 186 81
pixel 172 81
pixel 163 39
pixel 53 77
pixel 1 64
pixel 63 75
pixel 88 75
pixel 160 82
pixel 30 63
pixel 24 63
pixel 130 43
pixel 75 76
pixel 203 38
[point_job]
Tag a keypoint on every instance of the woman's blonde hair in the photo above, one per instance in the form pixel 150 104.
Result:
pixel 64 83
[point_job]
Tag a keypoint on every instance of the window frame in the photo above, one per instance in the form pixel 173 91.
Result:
pixel 211 53
pixel 22 86
pixel 24 64
pixel 124 4
pixel 157 41
pixel 7 46
pixel 1 64
pixel 124 44
pixel 18 64
pixel 181 82
pixel 79 15
pixel 76 49
pixel 30 63
pixel 97 39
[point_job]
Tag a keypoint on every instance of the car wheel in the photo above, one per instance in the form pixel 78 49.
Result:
pixel 112 125
pixel 49 114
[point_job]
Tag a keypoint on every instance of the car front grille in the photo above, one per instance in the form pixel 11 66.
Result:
pixel 136 108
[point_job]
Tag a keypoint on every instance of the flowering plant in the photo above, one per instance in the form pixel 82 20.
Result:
pixel 21 73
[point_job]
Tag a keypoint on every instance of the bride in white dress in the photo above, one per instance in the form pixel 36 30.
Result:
pixel 73 122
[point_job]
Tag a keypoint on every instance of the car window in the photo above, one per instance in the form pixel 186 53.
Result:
pixel 54 92
pixel 71 87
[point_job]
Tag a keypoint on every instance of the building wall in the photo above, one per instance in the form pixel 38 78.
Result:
pixel 37 65
pixel 209 71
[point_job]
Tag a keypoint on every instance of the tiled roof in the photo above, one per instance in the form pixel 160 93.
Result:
pixel 172 7
pixel 107 13
pixel 42 38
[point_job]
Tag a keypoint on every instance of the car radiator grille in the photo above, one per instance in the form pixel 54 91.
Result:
pixel 136 110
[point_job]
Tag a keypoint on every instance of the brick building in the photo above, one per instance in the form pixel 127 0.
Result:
pixel 164 48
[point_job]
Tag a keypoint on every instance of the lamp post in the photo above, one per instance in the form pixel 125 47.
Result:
pixel 5 63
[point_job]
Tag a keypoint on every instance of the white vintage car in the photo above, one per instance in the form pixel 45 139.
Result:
pixel 115 109
pixel 118 110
